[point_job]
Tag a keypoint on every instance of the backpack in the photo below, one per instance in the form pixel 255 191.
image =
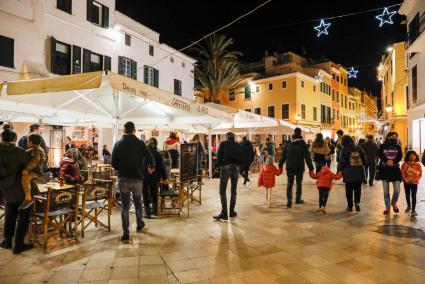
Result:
pixel 355 158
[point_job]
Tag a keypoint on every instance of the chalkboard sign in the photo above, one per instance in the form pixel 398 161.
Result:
pixel 188 161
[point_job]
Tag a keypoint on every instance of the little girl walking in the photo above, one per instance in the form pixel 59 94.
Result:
pixel 411 172
pixel 324 185
pixel 267 178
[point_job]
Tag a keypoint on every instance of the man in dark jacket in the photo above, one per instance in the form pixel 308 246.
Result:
pixel 151 180
pixel 13 162
pixel 229 159
pixel 130 157
pixel 23 142
pixel 294 153
pixel 248 152
pixel 371 151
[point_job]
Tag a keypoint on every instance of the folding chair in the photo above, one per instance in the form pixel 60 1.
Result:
pixel 193 187
pixel 54 210
pixel 97 199
pixel 174 194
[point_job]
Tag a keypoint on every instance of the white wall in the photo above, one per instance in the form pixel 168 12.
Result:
pixel 31 23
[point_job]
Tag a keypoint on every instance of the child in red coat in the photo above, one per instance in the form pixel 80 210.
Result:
pixel 267 178
pixel 324 185
pixel 411 171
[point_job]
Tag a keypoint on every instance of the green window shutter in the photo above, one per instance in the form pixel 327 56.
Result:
pixel 105 17
pixel 156 78
pixel 107 64
pixel 120 65
pixel 52 54
pixel 89 10
pixel 86 60
pixel 134 70
pixel 145 74
pixel 76 59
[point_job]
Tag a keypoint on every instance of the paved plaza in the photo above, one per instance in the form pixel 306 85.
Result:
pixel 261 245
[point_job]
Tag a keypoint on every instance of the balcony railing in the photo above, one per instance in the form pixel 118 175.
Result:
pixel 417 31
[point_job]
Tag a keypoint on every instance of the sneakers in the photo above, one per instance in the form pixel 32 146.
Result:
pixel 233 214
pixel 140 228
pixel 299 201
pixel 407 209
pixel 350 208
pixel 357 207
pixel 386 211
pixel 221 217
pixel 395 208
pixel 26 204
pixel 413 213
pixel 21 248
pixel 125 239
pixel 6 244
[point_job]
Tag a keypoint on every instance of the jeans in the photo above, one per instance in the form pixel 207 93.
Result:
pixel 127 187
pixel 150 194
pixel 396 192
pixel 299 180
pixel 228 171
pixel 319 166
pixel 350 188
pixel 106 159
pixel 245 173
pixel 328 163
pixel 323 196
pixel 370 170
pixel 11 215
pixel 410 190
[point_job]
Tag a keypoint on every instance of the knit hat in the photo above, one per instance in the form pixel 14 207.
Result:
pixel 269 160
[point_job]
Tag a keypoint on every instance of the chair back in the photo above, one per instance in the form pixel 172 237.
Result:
pixel 98 191
pixel 57 200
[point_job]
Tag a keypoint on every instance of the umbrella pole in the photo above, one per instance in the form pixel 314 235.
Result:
pixel 115 126
pixel 209 152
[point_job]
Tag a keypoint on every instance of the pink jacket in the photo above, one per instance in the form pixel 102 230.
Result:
pixel 324 177
pixel 411 173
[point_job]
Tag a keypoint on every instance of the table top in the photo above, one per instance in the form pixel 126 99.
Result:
pixel 55 186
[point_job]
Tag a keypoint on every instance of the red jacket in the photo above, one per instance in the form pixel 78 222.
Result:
pixel 71 171
pixel 411 173
pixel 324 177
pixel 267 176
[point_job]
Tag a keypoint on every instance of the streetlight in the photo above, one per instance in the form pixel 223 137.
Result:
pixel 389 49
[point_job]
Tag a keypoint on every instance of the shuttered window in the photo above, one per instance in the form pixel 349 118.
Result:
pixel 270 111
pixel 60 57
pixel 107 63
pixel 151 76
pixel 97 14
pixel 76 59
pixel 92 61
pixel 285 111
pixel 247 93
pixel 64 5
pixel 177 87
pixel 6 51
pixel 127 67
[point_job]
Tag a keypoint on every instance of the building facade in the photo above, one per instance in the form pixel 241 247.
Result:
pixel 41 38
pixel 392 72
pixel 414 10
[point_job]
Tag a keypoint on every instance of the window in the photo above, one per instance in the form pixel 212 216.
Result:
pixel 76 60
pixel 247 93
pixel 151 76
pixel 257 110
pixel 284 83
pixel 337 96
pixel 127 40
pixel 322 114
pixel 315 113
pixel 107 63
pixel 270 111
pixel 92 61
pixel 285 111
pixel 172 59
pixel 345 82
pixel 60 57
pixel 337 79
pixel 97 14
pixel 232 96
pixel 407 98
pixel 337 114
pixel 328 115
pixel 314 88
pixel 414 83
pixel 414 29
pixel 302 83
pixel 64 5
pixel 183 64
pixel 127 67
pixel 248 110
pixel 151 50
pixel 303 111
pixel 6 51
pixel 257 89
pixel 270 86
pixel 177 87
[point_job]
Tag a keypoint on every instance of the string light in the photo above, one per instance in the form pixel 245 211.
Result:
pixel 386 17
pixel 322 28
pixel 352 73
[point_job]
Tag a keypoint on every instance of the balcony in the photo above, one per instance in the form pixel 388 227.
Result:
pixel 417 37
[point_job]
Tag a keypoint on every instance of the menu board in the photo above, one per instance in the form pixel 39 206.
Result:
pixel 188 161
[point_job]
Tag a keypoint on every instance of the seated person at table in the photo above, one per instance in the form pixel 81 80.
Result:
pixel 106 155
pixel 70 169
pixel 33 169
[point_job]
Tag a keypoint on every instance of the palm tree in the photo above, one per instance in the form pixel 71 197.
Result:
pixel 217 69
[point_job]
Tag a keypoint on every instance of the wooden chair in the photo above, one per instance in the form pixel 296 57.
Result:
pixel 54 210
pixel 192 188
pixel 172 191
pixel 97 199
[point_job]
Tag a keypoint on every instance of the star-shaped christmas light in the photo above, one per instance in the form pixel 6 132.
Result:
pixel 319 77
pixel 386 17
pixel 352 73
pixel 322 28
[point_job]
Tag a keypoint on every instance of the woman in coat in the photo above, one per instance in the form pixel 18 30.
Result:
pixel 70 169
pixel 320 151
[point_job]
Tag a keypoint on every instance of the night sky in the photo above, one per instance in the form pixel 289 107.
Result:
pixel 354 40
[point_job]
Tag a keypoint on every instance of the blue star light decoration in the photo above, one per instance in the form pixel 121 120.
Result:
pixel 352 73
pixel 319 77
pixel 386 17
pixel 322 28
